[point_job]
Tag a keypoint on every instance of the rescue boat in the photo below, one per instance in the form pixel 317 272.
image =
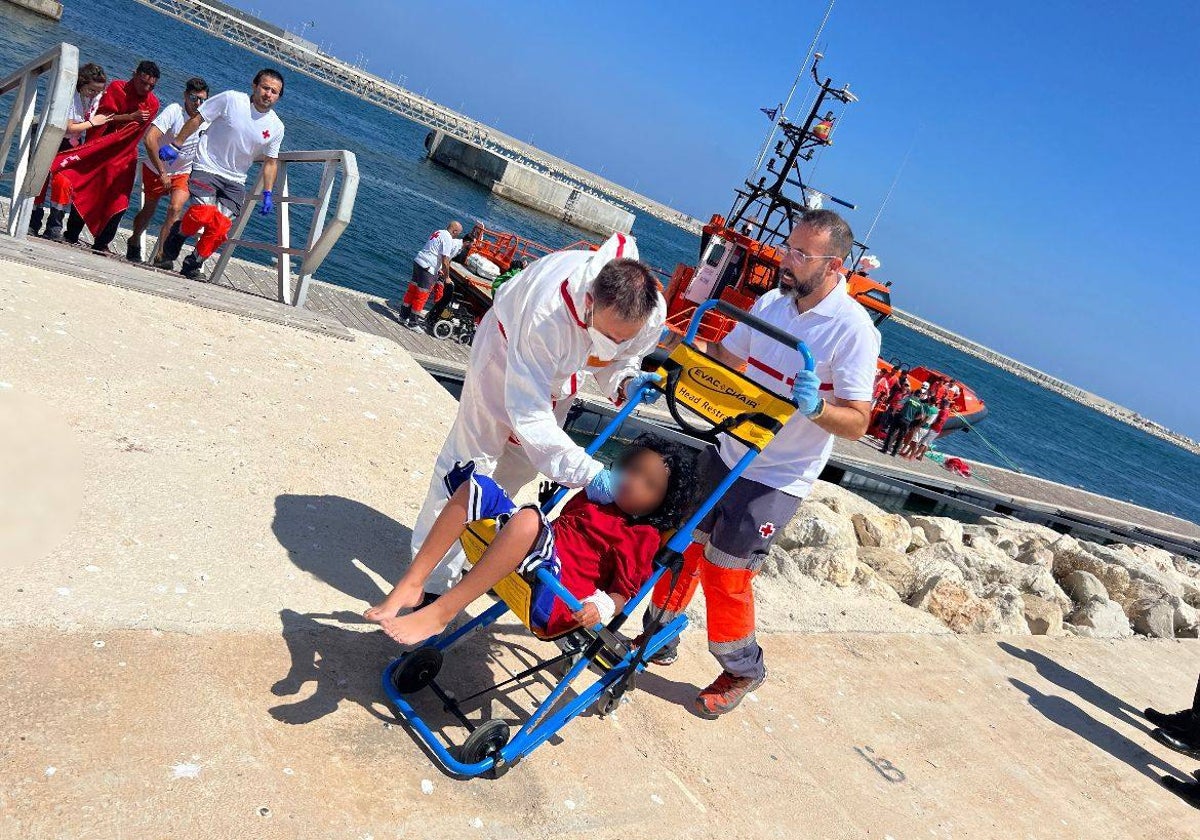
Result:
pixel 739 257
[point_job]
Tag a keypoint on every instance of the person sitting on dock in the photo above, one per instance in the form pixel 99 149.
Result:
pixel 430 266
pixel 570 313
pixel 603 552
pixel 241 129
pixel 731 543
pixel 101 172
pixel 160 178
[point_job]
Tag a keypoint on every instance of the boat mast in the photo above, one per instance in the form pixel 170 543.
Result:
pixel 765 210
pixel 781 114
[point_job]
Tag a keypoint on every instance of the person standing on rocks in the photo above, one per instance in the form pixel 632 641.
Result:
pixel 571 312
pixel 242 128
pixel 730 545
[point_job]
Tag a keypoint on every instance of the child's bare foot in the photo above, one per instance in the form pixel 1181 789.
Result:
pixel 415 627
pixel 401 597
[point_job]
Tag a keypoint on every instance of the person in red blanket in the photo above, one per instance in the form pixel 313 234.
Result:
pixel 101 172
pixel 602 553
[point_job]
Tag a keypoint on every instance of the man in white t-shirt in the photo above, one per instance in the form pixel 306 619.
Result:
pixel 160 178
pixel 241 129
pixel 431 265
pixel 731 543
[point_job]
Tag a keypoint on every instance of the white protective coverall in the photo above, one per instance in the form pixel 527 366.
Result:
pixel 526 359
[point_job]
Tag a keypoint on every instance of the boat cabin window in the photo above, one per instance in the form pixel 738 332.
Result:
pixel 716 251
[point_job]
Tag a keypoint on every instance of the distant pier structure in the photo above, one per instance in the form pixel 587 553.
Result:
pixel 46 8
pixel 292 51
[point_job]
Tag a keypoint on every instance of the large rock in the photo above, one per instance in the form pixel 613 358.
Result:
pixel 980 564
pixel 1187 619
pixel 954 604
pixel 827 565
pixel 1126 577
pixel 1011 609
pixel 887 530
pixel 1153 617
pixel 1037 581
pixel 1034 553
pixel 938 528
pixel 872 584
pixel 1101 619
pixel 1185 567
pixel 1009 546
pixel 892 567
pixel 817 526
pixel 840 500
pixel 1083 586
pixel 987 533
pixel 1025 529
pixel 918 540
pixel 1042 617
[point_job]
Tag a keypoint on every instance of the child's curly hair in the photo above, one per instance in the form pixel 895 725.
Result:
pixel 682 482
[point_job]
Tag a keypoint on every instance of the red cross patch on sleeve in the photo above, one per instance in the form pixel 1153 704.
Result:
pixel 266 134
pixel 767 529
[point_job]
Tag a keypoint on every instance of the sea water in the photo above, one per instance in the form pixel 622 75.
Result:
pixel 402 198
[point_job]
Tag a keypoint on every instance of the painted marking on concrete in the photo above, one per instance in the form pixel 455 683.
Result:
pixel 185 770
pixel 690 796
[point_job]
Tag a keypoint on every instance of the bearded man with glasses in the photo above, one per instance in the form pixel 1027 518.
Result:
pixel 731 544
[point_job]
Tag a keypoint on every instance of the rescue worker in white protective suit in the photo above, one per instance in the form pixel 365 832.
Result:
pixel 570 313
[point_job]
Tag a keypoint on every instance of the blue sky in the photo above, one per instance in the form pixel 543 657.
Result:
pixel 1047 209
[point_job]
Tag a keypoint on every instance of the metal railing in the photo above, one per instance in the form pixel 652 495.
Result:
pixel 322 233
pixel 35 126
pixel 248 32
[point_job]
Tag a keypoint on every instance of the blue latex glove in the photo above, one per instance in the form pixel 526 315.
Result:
pixel 634 382
pixel 268 204
pixel 603 488
pixel 805 391
pixel 168 153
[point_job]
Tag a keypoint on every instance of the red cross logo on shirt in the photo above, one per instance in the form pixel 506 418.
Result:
pixel 266 135
pixel 767 529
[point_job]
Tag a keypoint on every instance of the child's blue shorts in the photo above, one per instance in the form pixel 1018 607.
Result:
pixel 487 500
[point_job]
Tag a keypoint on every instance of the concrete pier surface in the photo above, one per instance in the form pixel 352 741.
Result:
pixel 528 187
pixel 218 495
pixel 52 9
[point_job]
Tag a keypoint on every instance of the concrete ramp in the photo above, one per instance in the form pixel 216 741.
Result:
pixel 196 508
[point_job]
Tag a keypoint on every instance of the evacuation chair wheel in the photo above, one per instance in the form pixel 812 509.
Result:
pixel 417 670
pixel 608 702
pixel 486 741
pixel 466 337
pixel 442 330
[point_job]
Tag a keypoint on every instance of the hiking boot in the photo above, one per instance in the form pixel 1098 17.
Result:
pixel 191 267
pixel 133 251
pixel 1175 723
pixel 1189 792
pixel 405 313
pixel 724 695
pixel 415 323
pixel 164 263
pixel 35 220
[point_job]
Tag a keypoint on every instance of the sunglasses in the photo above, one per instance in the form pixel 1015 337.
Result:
pixel 196 97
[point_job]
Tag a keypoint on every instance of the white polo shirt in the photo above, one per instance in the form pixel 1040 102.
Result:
pixel 845 345
pixel 440 244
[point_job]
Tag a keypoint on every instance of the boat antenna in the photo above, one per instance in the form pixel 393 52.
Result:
pixel 888 197
pixel 762 153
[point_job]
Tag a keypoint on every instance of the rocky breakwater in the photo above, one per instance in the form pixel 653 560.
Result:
pixel 999 575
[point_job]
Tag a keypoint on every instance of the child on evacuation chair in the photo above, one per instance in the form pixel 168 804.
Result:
pixel 601 553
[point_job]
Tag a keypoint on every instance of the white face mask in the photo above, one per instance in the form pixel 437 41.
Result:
pixel 603 347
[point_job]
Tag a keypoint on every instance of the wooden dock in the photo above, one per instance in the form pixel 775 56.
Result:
pixel 248 289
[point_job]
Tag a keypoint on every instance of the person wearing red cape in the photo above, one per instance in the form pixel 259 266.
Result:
pixel 97 177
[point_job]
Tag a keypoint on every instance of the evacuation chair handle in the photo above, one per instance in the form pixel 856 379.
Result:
pixel 753 322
